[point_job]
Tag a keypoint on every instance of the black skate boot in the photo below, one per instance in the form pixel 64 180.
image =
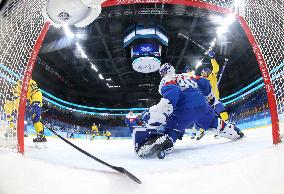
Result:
pixel 193 135
pixel 40 137
pixel 241 134
pixel 202 133
pixel 216 136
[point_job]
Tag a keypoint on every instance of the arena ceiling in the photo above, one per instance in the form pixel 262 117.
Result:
pixel 63 72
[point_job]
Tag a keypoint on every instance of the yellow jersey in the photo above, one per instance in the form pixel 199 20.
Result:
pixel 34 93
pixel 95 128
pixel 11 106
pixel 213 78
pixel 108 133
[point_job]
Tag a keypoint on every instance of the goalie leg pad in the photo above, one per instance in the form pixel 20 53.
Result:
pixel 228 130
pixel 155 144
pixel 141 135
pixel 148 141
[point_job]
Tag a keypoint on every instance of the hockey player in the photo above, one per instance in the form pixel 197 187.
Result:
pixel 108 134
pixel 131 120
pixel 34 98
pixel 182 103
pixel 198 132
pixel 214 98
pixel 94 131
pixel 211 75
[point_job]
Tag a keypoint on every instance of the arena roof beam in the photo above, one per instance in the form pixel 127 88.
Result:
pixel 98 28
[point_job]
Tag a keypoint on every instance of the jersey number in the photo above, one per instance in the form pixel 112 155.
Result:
pixel 186 82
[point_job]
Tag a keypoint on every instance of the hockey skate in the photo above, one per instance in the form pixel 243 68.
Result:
pixel 229 130
pixel 40 138
pixel 159 145
pixel 201 134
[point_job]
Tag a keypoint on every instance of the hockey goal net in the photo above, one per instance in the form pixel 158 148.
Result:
pixel 22 29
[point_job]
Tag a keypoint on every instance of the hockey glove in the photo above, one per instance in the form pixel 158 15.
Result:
pixel 211 54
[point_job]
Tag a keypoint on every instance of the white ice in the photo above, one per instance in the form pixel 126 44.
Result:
pixel 251 165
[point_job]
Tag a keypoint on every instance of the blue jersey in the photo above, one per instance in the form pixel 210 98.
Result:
pixel 203 85
pixel 183 91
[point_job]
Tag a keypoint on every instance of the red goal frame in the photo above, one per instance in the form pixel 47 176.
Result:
pixel 193 3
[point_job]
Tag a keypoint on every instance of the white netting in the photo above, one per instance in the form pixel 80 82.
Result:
pixel 21 22
pixel 266 21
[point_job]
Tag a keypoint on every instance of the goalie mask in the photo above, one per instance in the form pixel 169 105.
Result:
pixel 166 69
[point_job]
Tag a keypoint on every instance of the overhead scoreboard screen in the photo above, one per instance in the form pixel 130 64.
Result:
pixel 146 49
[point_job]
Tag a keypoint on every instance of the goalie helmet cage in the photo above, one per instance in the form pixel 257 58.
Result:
pixel 23 28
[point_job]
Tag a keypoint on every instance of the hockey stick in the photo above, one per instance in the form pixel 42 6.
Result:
pixel 116 168
pixel 182 35
pixel 222 71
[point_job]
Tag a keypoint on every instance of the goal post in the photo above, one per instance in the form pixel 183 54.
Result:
pixel 23 28
pixel 27 76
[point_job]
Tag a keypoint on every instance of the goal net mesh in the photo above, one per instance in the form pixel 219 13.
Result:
pixel 21 22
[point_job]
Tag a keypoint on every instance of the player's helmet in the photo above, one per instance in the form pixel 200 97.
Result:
pixel 166 69
pixel 206 72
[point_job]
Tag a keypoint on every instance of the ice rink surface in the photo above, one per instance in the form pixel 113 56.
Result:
pixel 250 165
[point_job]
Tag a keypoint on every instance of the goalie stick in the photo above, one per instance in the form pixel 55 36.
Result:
pixel 116 168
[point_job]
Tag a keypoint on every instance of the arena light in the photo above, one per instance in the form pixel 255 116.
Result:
pixel 227 22
pixel 108 79
pixel 222 30
pixel 212 44
pixel 229 19
pixel 94 67
pixel 216 19
pixel 100 76
pixel 79 47
pixel 68 31
pixel 199 63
